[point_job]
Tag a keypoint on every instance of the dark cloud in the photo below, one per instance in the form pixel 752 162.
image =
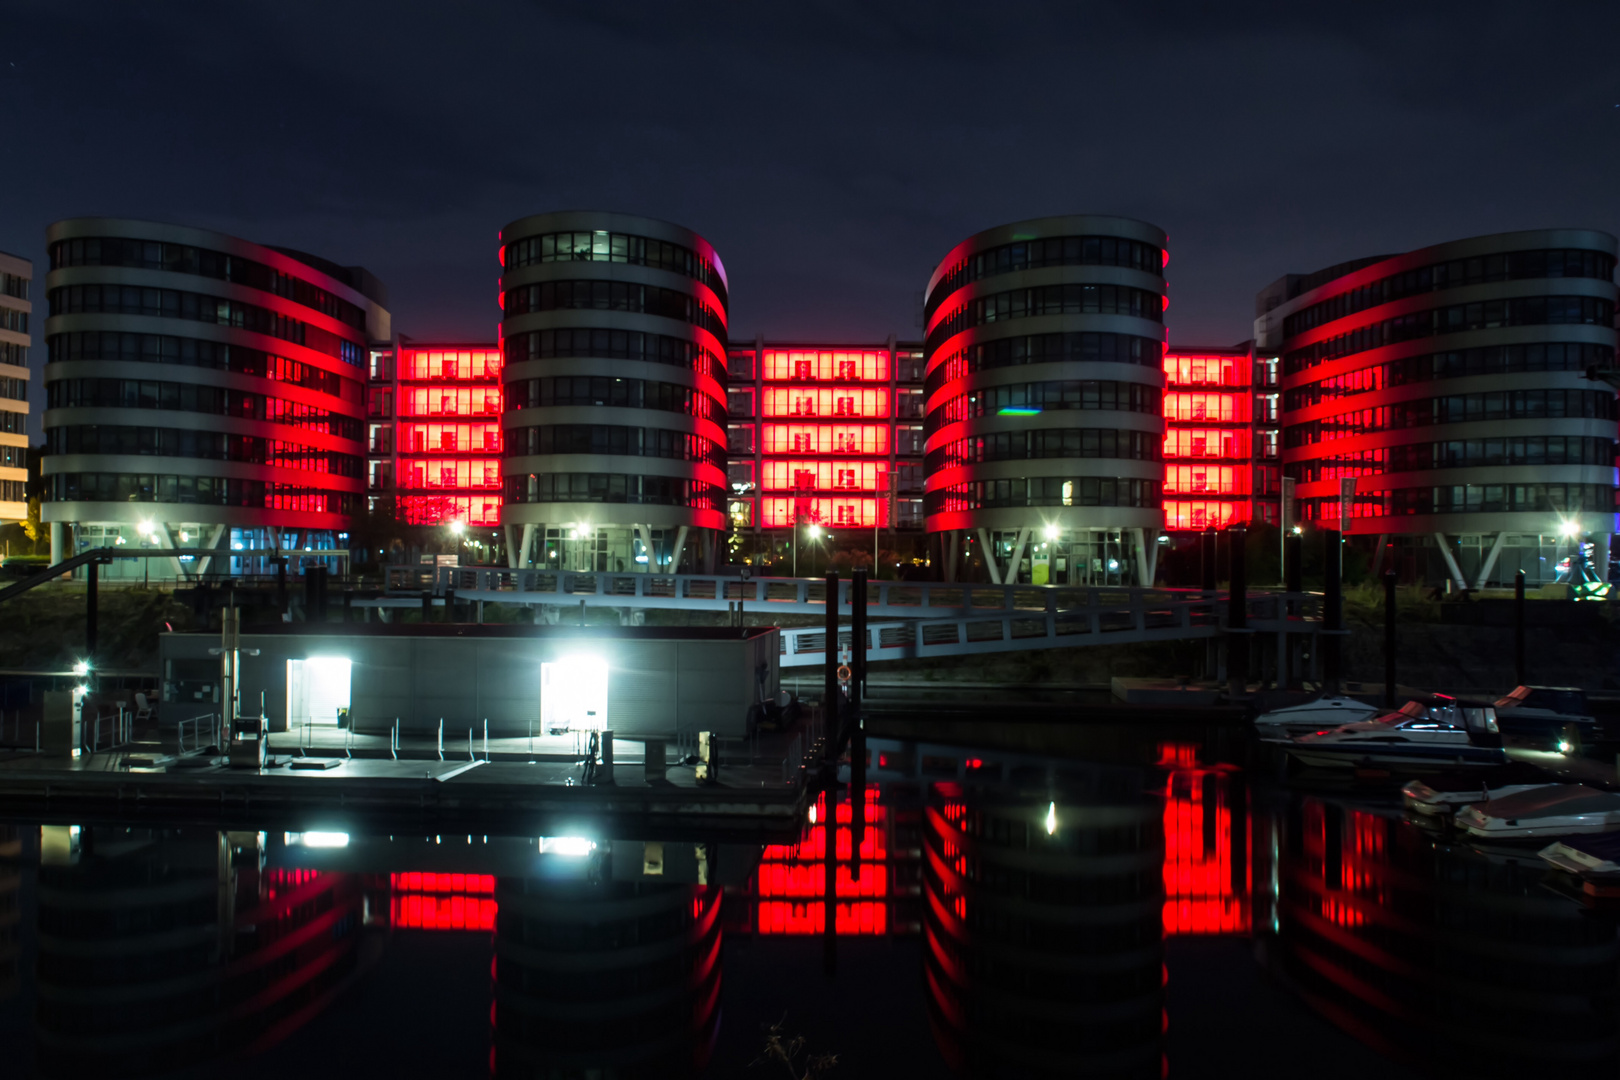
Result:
pixel 832 151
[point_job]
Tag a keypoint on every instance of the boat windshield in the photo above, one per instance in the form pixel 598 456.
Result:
pixel 1517 696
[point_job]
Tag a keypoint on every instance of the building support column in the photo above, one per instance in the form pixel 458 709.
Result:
pixel 511 548
pixel 1451 562
pixel 58 542
pixel 644 534
pixel 988 550
pixel 166 541
pixel 953 553
pixel 1601 543
pixel 680 547
pixel 1011 576
pixel 711 549
pixel 1378 556
pixel 1489 564
pixel 1147 558
pixel 212 545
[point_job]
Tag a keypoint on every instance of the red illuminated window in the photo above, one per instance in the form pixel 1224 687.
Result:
pixel 450 438
pixel 826 439
pixel 788 475
pixel 785 512
pixel 827 365
pixel 450 401
pixel 1206 480
pixel 1200 514
pixel 1206 370
pixel 449 365
pixel 805 402
pixel 436 509
pixel 1193 442
pixel 1201 406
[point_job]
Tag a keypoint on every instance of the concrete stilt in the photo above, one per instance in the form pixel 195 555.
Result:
pixel 1489 564
pixel 988 550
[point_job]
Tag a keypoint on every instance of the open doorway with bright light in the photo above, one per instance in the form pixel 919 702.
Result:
pixel 574 694
pixel 317 691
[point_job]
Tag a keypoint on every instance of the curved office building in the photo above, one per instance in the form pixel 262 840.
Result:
pixel 203 392
pixel 1448 385
pixel 1044 423
pixel 614 329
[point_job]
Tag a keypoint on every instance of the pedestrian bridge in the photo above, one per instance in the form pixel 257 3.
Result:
pixel 908 619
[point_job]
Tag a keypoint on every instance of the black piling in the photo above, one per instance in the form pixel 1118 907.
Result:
pixel 1237 617
pixel 1389 639
pixel 857 737
pixel 91 627
pixel 1520 674
pixel 831 714
pixel 1206 551
pixel 1332 608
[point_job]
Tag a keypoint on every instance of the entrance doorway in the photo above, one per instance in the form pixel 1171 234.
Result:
pixel 574 694
pixel 317 688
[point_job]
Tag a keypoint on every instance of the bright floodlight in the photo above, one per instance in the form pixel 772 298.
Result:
pixel 1052 532
pixel 316 839
pixel 815 532
pixel 572 846
pixel 458 527
pixel 1569 529
pixel 1051 818
pixel 82 667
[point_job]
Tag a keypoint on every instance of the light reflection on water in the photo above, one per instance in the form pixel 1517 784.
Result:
pixel 1001 948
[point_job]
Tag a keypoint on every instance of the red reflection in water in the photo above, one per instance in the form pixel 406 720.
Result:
pixel 791 881
pixel 1206 888
pixel 429 901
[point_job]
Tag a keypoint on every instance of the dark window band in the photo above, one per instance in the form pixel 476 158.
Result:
pixel 184 259
pixel 174 304
pixel 191 352
pixel 198 490
pixel 1483 315
pixel 1048 443
pixel 615 439
pixel 1460 454
pixel 1048 349
pixel 12 353
pixel 613 488
pixel 600 390
pixel 614 345
pixel 1455 273
pixel 13 423
pixel 1071 299
pixel 1053 395
pixel 1456 364
pixel 602 246
pixel 1478 499
pixel 211 445
pixel 189 397
pixel 613 296
pixel 13 389
pixel 1043 491
pixel 1052 251
pixel 1499 405
pixel 14 320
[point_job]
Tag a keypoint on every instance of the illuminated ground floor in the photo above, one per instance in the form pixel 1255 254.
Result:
pixel 242 552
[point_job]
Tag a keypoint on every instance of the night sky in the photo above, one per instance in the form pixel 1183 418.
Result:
pixel 831 152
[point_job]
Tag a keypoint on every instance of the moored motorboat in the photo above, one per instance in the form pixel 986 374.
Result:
pixel 1314 715
pixel 1441 796
pixel 1548 811
pixel 1594 860
pixel 1436 731
pixel 1559 713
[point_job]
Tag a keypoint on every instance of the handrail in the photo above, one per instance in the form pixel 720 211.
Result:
pixel 99 556
pixel 196 731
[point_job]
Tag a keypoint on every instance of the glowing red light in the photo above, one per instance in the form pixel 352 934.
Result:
pixel 1202 895
pixel 449 437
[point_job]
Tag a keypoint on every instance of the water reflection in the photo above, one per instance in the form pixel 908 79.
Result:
pixel 163 949
pixel 1043 923
pixel 604 978
pixel 1036 901
pixel 1433 951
